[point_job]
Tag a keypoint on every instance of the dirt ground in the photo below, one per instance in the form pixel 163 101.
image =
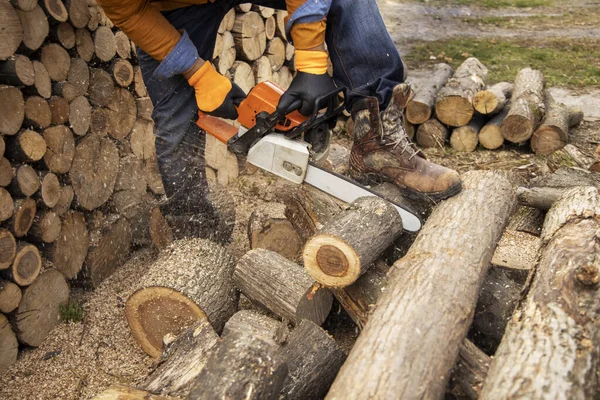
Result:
pixel 78 360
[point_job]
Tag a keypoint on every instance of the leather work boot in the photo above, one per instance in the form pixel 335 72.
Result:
pixel 383 152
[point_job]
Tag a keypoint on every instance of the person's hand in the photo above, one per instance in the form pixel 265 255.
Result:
pixel 307 88
pixel 215 94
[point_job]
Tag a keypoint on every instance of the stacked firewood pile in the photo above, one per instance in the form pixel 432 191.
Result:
pixel 78 174
pixel 457 107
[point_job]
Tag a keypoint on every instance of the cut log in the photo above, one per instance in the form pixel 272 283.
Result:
pixel 349 243
pixel 24 5
pixel 22 219
pixel 270 28
pixel 185 357
pixel 527 106
pixel 144 108
pixel 79 13
pixel 432 133
pixel 101 90
pixel 276 53
pixel 490 135
pixel 249 34
pixel 80 115
pixel 244 7
pixel 17 71
pixel 161 234
pixel 280 17
pixel 94 171
pixel 218 46
pixel 59 110
pixel 94 20
pixel 9 347
pixel 99 122
pixel 8 248
pixel 56 10
pixel 12 110
pixel 64 201
pixel 539 197
pixel 65 89
pixel 27 146
pixel 69 251
pixel 142 139
pixel 227 22
pixel 313 359
pixel 57 61
pixel 470 371
pixel 243 75
pixel 138 80
pixel 226 60
pixel 50 191
pixel 10 296
pixel 37 113
pixel 85 44
pixel 120 392
pixel 122 114
pixel 153 177
pixel 412 302
pixel 7 207
pixel 46 227
pixel 466 138
pixel 281 286
pixel 272 231
pixel 25 182
pixel 254 324
pixel 26 265
pixel 60 149
pixel 38 312
pixel 79 76
pixel 262 70
pixel 122 71
pixel 123 45
pixel 35 27
pixel 454 102
pixel 558 319
pixel 420 107
pixel 6 172
pixel 568 156
pixel 136 208
pixel 206 280
pixel 241 367
pixel 12 30
pixel 492 100
pixel 553 134
pixel 105 45
pixel 42 84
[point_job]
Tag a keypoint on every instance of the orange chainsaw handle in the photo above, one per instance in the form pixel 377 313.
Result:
pixel 221 130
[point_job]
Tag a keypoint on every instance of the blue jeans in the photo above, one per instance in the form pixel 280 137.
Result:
pixel 364 60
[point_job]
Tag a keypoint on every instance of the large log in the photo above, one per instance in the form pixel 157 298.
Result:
pixel 123 45
pixel 454 102
pixel 539 197
pixel 276 53
pixel 26 265
pixel 313 359
pixel 527 106
pixel 272 231
pixel 255 324
pixel 60 149
pixel 38 312
pixel 122 114
pixel 68 252
pixel 9 347
pixel 10 296
pixel 35 27
pixel 430 286
pixel 8 248
pixel 12 30
pixel 249 34
pixel 492 100
pixel 568 156
pixel 49 193
pixel 550 347
pixel 17 71
pixel 420 107
pixel 241 367
pixel 12 110
pixel 281 286
pixel 347 245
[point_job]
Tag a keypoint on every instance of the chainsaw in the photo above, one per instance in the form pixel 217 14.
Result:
pixel 281 144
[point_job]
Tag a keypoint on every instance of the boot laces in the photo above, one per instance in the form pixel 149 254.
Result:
pixel 398 136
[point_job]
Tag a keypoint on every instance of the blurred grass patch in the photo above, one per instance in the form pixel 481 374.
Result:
pixel 492 3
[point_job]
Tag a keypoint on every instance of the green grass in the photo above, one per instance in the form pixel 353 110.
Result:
pixel 564 61
pixel 494 3
pixel 72 312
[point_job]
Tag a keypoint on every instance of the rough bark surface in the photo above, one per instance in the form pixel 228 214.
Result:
pixel 420 107
pixel 9 347
pixel 252 323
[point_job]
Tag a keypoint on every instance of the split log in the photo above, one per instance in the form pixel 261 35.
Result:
pixel 80 115
pixel 153 178
pixel 9 347
pixel 313 359
pixel 420 107
pixel 25 182
pixel 432 133
pixel 122 71
pixel 249 34
pixel 42 84
pixel 7 207
pixel 46 227
pixel 470 371
pixel 120 392
pixel 539 197
pixel 421 364
pixel 8 248
pixel 24 5
pixel 26 265
pixel 17 71
pixel 38 312
pixel 122 114
pixel 347 245
pixel 56 60
pixel 6 172
pixel 69 251
pixel 144 108
pixel 37 113
pixel 79 76
pixel 243 75
pixel 138 81
pixel 272 231
pixel 101 90
pixel 142 139
pixel 466 138
pixel 56 10
pixel 527 106
pixel 84 44
pixel 35 27
pixel 454 102
pixel 254 324
pixel 12 30
pixel 10 296
pixel 105 45
pixel 94 171
pixel 492 100
pixel 59 110
pixel 262 70
pixel 27 146
pixel 60 149
pixel 12 110
pixel 64 201
pixel 50 190
pixel 549 349
pixel 276 53
pixel 79 13
pixel 553 134
pixel 281 286
pixel 240 362
pixel 185 358
pixel 490 135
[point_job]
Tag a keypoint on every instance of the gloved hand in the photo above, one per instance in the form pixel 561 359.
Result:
pixel 215 94
pixel 311 82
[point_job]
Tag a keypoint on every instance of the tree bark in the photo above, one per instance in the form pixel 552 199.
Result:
pixel 432 133
pixel 12 30
pixel 550 349
pixel 272 231
pixel 429 288
pixel 420 107
pixel 349 243
pixel 470 370
pixel 539 197
pixel 281 286
pixel 568 156
pixel 60 149
pixel 46 227
pixel 9 347
pixel 527 106
pixel 492 100
pixel 10 296
pixel 249 34
pixel 69 251
pixel 17 71
pixel 12 110
pixel 57 61
pixel 254 324
pixel 26 265
pixel 8 249
pixel 454 102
